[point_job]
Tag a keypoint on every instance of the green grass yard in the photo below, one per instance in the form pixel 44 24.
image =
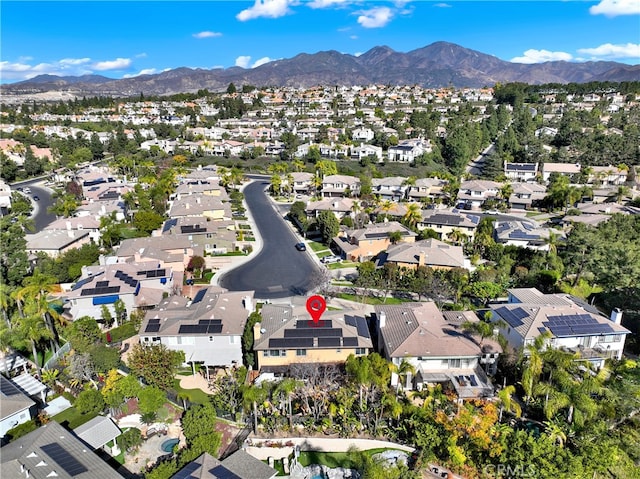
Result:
pixel 73 418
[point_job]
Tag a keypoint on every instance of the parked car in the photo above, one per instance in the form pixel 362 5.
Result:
pixel 27 190
pixel 301 247
pixel 36 198
pixel 330 259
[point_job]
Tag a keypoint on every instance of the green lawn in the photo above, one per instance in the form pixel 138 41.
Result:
pixel 73 417
pixel 342 264
pixel 315 246
pixel 194 395
pixel 125 331
pixel 333 459
pixel 371 300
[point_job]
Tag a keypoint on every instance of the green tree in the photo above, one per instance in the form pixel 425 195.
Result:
pixel 155 363
pixel 147 221
pixel 151 399
pixel 328 225
pixel 199 429
pixel 89 401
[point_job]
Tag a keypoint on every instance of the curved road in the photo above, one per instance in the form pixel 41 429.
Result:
pixel 41 217
pixel 278 270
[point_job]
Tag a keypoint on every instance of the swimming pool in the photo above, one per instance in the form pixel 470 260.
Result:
pixel 169 444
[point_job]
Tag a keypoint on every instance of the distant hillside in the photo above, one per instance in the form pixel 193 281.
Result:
pixel 437 65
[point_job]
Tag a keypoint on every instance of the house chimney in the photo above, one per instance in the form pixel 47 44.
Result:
pixel 257 332
pixel 68 225
pixel 421 258
pixel 616 315
pixel 382 319
pixel 248 304
pixel 70 233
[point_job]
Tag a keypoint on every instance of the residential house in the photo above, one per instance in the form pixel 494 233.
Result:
pixel 287 337
pixel 173 252
pixel 521 171
pixel 15 407
pixel 446 222
pixel 393 188
pixel 5 198
pixel 138 285
pixel 51 451
pixel 340 207
pixel 303 182
pixel 199 188
pixel 239 465
pixel 362 134
pixel 430 252
pixel 208 328
pixel 340 186
pixel 364 151
pixel 473 193
pixel 201 205
pixel 526 195
pixel 608 175
pixel 571 323
pixel 214 237
pixel 426 189
pixel 437 347
pixel 78 223
pixel 523 234
pixel 56 242
pixel 572 170
pixel 407 151
pixel 365 243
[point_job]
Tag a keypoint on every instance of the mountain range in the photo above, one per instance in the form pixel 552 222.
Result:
pixel 440 64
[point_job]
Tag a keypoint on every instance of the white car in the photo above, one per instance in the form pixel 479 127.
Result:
pixel 331 259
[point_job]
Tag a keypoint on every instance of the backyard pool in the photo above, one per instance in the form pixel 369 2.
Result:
pixel 169 444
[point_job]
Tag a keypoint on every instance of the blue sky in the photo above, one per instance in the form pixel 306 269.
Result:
pixel 120 39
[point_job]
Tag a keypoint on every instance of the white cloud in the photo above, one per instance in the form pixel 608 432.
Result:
pixel 442 5
pixel 540 56
pixel 207 34
pixel 117 64
pixel 146 71
pixel 375 18
pixel 266 9
pixel 74 61
pixel 243 61
pixel 353 37
pixel 327 3
pixel 610 51
pixel 613 8
pixel 261 61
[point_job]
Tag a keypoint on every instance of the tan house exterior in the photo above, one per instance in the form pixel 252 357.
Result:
pixel 363 244
pixel 287 336
pixel 431 252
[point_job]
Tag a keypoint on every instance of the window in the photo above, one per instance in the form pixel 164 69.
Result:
pixel 610 338
pixel 301 352
pixel 361 351
pixel 233 339
pixel 210 339
pixel 454 363
pixel 275 352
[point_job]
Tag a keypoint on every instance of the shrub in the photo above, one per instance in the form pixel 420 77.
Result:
pixel 89 401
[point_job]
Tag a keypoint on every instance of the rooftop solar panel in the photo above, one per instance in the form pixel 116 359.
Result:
pixel 329 342
pixel 64 459
pixel 324 323
pixel 152 328
pixel 350 342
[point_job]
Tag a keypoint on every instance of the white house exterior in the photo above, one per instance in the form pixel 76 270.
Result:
pixel 573 325
pixel 437 347
pixel 137 285
pixel 15 406
pixel 407 151
pixel 339 185
pixel 473 193
pixel 521 171
pixel 208 329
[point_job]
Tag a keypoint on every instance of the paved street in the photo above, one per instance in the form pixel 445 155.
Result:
pixel 278 270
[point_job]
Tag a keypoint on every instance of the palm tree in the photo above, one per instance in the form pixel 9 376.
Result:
pixel 395 237
pixel 5 302
pixel 555 433
pixel 456 236
pixel 413 215
pixel 252 395
pixel 507 403
pixel 505 193
pixel 32 329
pixel 286 389
pixel 533 364
pixel 38 287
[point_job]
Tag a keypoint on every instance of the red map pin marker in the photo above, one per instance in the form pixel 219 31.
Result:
pixel 316 306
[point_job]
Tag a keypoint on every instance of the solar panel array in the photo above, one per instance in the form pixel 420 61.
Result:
pixel 204 326
pixel 326 323
pixel 153 273
pixel 513 316
pixel 64 459
pixel 102 284
pixel 130 280
pixel 519 234
pixel 309 334
pixel 576 325
pixel 153 326
pixel 290 343
pixel 185 229
pixel 97 291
